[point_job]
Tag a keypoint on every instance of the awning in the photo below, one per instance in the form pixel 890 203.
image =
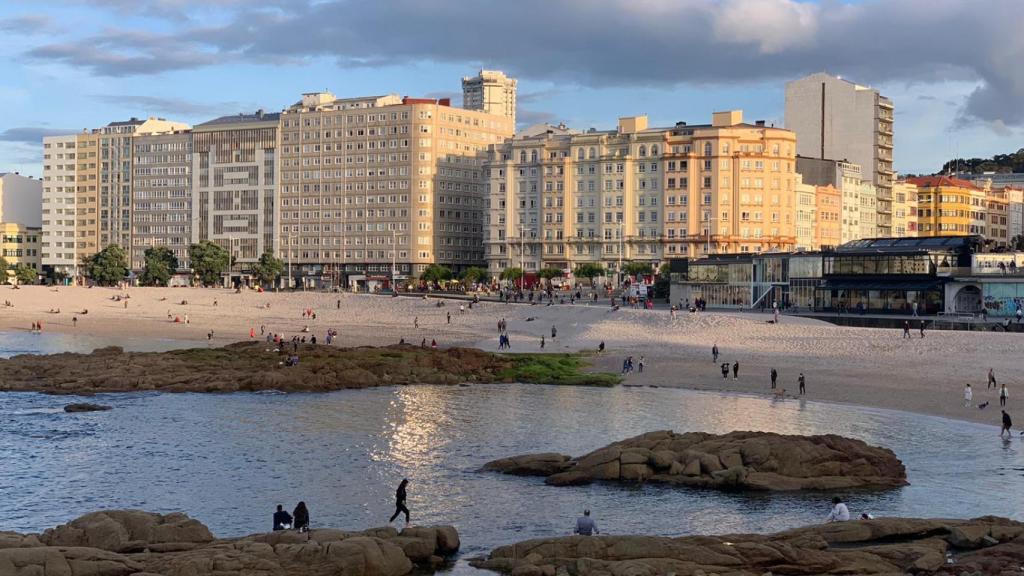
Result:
pixel 882 284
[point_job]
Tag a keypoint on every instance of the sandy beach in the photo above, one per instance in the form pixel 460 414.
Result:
pixel 870 367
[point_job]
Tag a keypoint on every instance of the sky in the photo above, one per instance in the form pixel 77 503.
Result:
pixel 954 68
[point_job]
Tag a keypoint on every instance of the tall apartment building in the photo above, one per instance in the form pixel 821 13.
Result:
pixel 948 206
pixel 828 230
pixel 59 217
pixel 558 198
pixel 904 209
pixel 806 215
pixel 235 174
pixel 161 195
pixel 375 181
pixel 868 196
pixel 492 92
pixel 835 118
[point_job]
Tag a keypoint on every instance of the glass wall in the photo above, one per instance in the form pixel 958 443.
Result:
pixel 860 264
pixel 723 296
pixel 881 301
pixel 724 272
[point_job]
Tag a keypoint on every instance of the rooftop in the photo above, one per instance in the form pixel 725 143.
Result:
pixel 936 181
pixel 258 116
pixel 904 244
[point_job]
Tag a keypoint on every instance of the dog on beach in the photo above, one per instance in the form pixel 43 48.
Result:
pixel 982 406
pixel 780 393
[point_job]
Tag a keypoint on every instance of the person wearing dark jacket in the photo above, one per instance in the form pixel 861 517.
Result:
pixel 282 519
pixel 400 502
pixel 301 515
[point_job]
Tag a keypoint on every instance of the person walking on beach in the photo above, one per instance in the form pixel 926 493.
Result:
pixel 968 396
pixel 640 365
pixel 839 513
pixel 1003 395
pixel 725 369
pixel 541 341
pixel 1007 423
pixel 991 379
pixel 585 525
pixel 554 332
pixel 400 507
pixel 906 329
pixel 775 376
pixel 736 370
pixel 416 322
pixel 714 352
pixel 802 381
pixel 282 519
pixel 301 516
pixel 921 327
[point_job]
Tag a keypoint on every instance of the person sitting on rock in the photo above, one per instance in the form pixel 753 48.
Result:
pixel 282 519
pixel 585 525
pixel 839 513
pixel 301 515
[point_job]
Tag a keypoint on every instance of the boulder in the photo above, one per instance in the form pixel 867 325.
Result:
pixel 738 460
pixel 85 407
pixel 127 531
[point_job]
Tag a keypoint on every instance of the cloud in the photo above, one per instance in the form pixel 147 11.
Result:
pixel 612 43
pixel 30 134
pixel 173 106
pixel 28 25
pixel 527 118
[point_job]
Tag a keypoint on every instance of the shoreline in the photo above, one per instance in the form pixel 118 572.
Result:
pixel 867 367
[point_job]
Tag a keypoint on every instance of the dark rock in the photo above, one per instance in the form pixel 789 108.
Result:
pixel 85 407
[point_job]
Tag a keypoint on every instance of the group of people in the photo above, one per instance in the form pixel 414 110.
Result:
pixel 906 328
pixel 297 520
pixel 628 366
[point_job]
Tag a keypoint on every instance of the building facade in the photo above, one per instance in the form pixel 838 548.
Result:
pixel 59 211
pixel 375 183
pixel 559 198
pixel 846 177
pixel 806 215
pixel 904 209
pixel 161 196
pixel 21 244
pixel 490 91
pixel 21 199
pixel 948 206
pixel 835 118
pixel 828 231
pixel 868 195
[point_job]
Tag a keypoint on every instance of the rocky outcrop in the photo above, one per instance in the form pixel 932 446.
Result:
pixel 885 546
pixel 131 542
pixel 738 460
pixel 256 366
pixel 85 407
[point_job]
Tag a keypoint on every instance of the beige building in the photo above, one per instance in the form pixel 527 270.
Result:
pixel 806 215
pixel 867 194
pixel 21 244
pixel 59 219
pixel 844 177
pixel 838 119
pixel 559 198
pixel 235 174
pixel 828 229
pixel 21 199
pixel 492 92
pixel 372 182
pixel 904 209
pixel 161 195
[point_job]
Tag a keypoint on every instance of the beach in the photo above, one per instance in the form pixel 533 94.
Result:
pixel 862 366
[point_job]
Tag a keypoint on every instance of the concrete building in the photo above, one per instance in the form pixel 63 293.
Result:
pixel 559 198
pixel 806 215
pixel 846 178
pixel 904 209
pixel 59 218
pixel 492 92
pixel 235 174
pixel 828 231
pixel 21 244
pixel 835 118
pixel 372 183
pixel 868 196
pixel 21 199
pixel 161 195
pixel 948 206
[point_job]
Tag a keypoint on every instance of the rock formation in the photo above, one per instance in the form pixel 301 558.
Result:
pixel 887 546
pixel 85 407
pixel 131 542
pixel 255 366
pixel 738 460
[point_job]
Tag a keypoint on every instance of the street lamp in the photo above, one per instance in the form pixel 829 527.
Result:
pixel 522 256
pixel 621 239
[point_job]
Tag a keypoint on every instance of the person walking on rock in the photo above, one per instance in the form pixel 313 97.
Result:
pixel 585 525
pixel 400 496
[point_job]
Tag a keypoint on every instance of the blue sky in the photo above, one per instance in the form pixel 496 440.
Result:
pixel 953 69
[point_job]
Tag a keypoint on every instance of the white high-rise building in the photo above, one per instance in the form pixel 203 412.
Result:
pixel 492 92
pixel 835 119
pixel 58 209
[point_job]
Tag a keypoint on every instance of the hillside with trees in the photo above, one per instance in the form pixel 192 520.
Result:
pixel 1000 163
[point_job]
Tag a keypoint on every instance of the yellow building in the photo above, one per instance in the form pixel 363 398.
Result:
pixel 948 206
pixel 21 245
pixel 828 229
pixel 904 209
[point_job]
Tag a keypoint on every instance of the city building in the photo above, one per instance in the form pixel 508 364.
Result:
pixel 846 177
pixel 838 119
pixel 382 185
pixel 948 206
pixel 492 92
pixel 806 215
pixel 235 174
pixel 161 195
pixel 21 199
pixel 828 230
pixel 21 244
pixel 560 198
pixel 59 216
pixel 868 195
pixel 904 209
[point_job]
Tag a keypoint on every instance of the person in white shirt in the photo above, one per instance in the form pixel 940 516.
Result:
pixel 968 396
pixel 839 513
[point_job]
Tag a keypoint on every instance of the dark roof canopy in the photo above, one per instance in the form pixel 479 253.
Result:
pixel 950 243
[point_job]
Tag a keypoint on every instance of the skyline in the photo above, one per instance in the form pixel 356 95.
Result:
pixel 952 95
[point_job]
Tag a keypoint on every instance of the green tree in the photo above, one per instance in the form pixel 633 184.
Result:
pixel 108 266
pixel 473 274
pixel 436 273
pixel 549 273
pixel 4 266
pixel 1017 243
pixel 26 274
pixel 160 266
pixel 637 268
pixel 589 271
pixel 512 273
pixel 268 268
pixel 209 261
